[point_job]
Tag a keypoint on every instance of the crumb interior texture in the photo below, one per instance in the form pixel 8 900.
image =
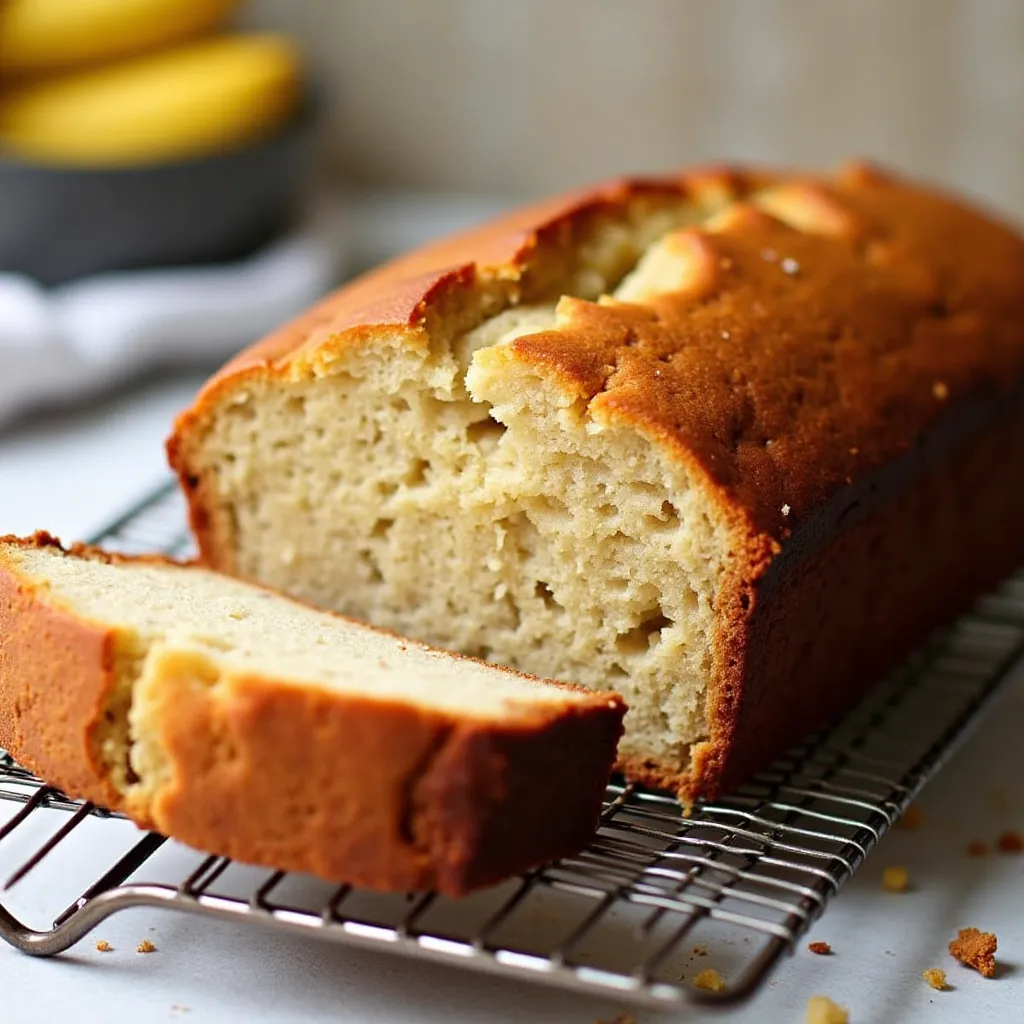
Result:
pixel 581 459
pixel 224 629
pixel 407 487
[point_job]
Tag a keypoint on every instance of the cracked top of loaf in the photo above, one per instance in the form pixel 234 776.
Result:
pixel 785 335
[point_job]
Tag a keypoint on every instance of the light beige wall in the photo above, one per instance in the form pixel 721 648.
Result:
pixel 525 96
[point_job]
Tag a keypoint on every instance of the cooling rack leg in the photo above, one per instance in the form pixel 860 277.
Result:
pixel 77 925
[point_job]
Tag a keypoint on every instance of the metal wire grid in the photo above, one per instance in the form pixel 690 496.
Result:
pixel 655 898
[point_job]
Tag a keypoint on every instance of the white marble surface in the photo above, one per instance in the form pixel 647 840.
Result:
pixel 70 473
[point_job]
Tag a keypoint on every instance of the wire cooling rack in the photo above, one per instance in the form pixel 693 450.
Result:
pixel 656 897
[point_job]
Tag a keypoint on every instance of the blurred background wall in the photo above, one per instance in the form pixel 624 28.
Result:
pixel 518 97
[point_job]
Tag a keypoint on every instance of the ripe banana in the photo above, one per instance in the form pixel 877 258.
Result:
pixel 189 101
pixel 52 35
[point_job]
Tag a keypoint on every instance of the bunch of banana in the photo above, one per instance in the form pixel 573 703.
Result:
pixel 125 83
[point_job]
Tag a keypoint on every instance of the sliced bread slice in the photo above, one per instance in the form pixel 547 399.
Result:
pixel 246 724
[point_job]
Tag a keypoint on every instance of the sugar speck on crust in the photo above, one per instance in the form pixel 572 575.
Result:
pixel 821 1010
pixel 975 949
pixel 790 266
pixel 786 510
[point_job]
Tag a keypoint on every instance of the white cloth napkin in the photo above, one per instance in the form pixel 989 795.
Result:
pixel 74 340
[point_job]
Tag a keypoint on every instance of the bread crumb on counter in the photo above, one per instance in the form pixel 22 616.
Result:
pixel 912 817
pixel 976 848
pixel 1011 841
pixel 821 1010
pixel 821 948
pixel 709 980
pixel 936 977
pixel 104 947
pixel 145 946
pixel 895 879
pixel 977 949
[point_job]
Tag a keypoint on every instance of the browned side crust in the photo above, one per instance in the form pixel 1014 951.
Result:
pixel 55 676
pixel 825 625
pixel 848 389
pixel 353 790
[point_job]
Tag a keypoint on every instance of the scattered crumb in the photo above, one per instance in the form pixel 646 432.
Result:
pixel 623 1018
pixel 940 390
pixel 913 817
pixel 975 949
pixel 976 848
pixel 821 1010
pixel 821 948
pixel 710 980
pixel 936 977
pixel 895 879
pixel 1010 841
pixel 145 946
pixel 700 950
pixel 790 266
pixel 104 947
pixel 786 510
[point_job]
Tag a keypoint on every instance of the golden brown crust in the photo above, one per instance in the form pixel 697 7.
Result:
pixel 832 341
pixel 831 621
pixel 384 797
pixel 351 789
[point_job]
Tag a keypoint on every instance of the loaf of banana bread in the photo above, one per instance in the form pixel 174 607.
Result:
pixel 730 443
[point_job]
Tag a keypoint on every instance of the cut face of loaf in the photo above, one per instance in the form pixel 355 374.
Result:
pixel 729 443
pixel 246 724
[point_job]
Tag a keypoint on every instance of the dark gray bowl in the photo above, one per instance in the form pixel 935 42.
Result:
pixel 60 224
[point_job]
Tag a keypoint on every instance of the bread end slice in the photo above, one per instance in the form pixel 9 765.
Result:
pixel 249 725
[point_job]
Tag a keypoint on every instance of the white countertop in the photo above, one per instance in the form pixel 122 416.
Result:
pixel 70 473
